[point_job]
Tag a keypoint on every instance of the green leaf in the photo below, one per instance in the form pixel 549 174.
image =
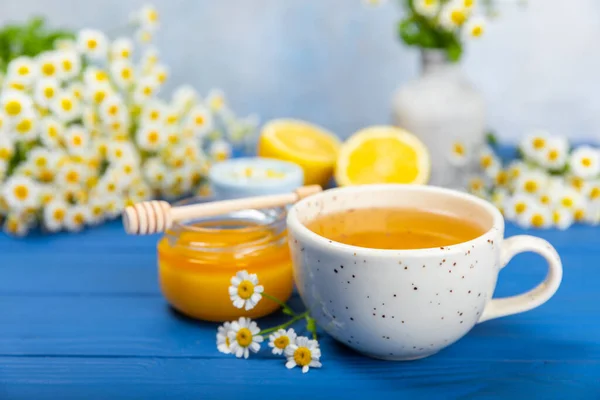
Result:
pixel 311 325
pixel 491 139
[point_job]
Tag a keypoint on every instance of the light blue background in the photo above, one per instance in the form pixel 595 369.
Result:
pixel 336 63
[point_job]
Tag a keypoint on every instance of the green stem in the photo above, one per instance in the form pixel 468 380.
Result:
pixel 284 306
pixel 284 325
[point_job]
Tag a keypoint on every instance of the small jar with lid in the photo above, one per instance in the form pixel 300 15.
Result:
pixel 197 258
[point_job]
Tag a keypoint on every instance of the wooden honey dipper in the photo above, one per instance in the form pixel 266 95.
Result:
pixel 148 217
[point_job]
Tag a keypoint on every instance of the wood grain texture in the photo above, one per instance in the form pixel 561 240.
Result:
pixel 82 317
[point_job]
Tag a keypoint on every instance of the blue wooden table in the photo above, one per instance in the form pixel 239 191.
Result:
pixel 81 317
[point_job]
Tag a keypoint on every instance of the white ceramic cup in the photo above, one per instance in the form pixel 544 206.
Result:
pixel 408 304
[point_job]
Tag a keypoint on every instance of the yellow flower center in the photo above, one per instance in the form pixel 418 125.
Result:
pixel 12 226
pixel 154 115
pixel 99 96
pixel 47 198
pixel 244 337
pixel 97 211
pixel 79 218
pixel 579 214
pixel 5 153
pixel 162 77
pixel 92 44
pixel 21 192
pixel 153 137
pixel 430 3
pixel 458 17
pixel 227 342
pixel 125 53
pixel 502 178
pixel 567 202
pixel 46 175
pixel 302 356
pixel 113 110
pixel 469 3
pixel 556 217
pixel 172 119
pixel 147 91
pixel 531 186
pixel 515 172
pixel 101 76
pixel 48 69
pixel 199 120
pixel 111 187
pixel 217 103
pixel 77 140
pixel 72 177
pixel 23 70
pixel 245 289
pixel 539 143
pixel 281 342
pixel 486 162
pixel 115 126
pixel 41 162
pixel 520 208
pixel 52 131
pixel 128 169
pixel 49 92
pixel 477 31
pixel 586 162
pixel 152 16
pixel 67 65
pixel 553 155
pixel 13 108
pixel 173 139
pixel 594 193
pixel 577 182
pixel 458 149
pixel 159 177
pixel 24 125
pixel 537 220
pixel 66 104
pixel 545 199
pixel 59 214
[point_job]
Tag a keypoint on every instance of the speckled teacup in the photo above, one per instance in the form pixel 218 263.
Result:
pixel 408 304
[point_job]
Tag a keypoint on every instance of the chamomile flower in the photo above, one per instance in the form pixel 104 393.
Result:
pixel 223 343
pixel 21 192
pixel 92 43
pixel 45 91
pixel 155 172
pixel 562 218
pixel 51 132
pixel 244 337
pixel 427 8
pixel 153 112
pixel 475 27
pixel 148 17
pixel 16 224
pixel 66 107
pixel 145 90
pixel 25 128
pixel 97 93
pixel 489 162
pixel 245 292
pixel 123 73
pixel 281 339
pixel 171 117
pixel 48 64
pixel 592 192
pixel 113 206
pixel 121 151
pixel 96 210
pixel 150 58
pixel 14 103
pixel 499 197
pixel 459 154
pixel 69 64
pixel 151 137
pixel 215 100
pixel 184 98
pixel 220 150
pixel 536 217
pixel 517 205
pixel 41 157
pixel 121 49
pixel 477 186
pixel 76 217
pixel 7 148
pixel 71 175
pixel 77 89
pixel 568 198
pixel 200 120
pixel 55 214
pixel 531 182
pixel 93 77
pixel 534 145
pixel 304 353
pixel 113 108
pixel 23 69
pixel 555 154
pixel 516 169
pixel 77 140
pixel 585 162
pixel 453 15
pixel 179 181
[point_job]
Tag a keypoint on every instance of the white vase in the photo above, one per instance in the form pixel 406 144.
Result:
pixel 442 108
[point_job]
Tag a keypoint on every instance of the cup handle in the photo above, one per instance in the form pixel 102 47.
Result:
pixel 537 296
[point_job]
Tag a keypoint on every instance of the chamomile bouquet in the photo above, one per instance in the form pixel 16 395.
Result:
pixel 83 132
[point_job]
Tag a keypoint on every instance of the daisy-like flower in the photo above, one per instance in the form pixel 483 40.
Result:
pixel 21 192
pixel 244 337
pixel 585 162
pixel 51 132
pixel 25 128
pixel 200 120
pixel 453 15
pixel 77 140
pixel 113 206
pixel 223 343
pixel 155 172
pixel 562 218
pixel 592 192
pixel 92 43
pixel 477 186
pixel 160 73
pixel 537 217
pixel 23 69
pixel 113 108
pixel 151 137
pixel 77 89
pixel 120 151
pixel 489 162
pixel 71 175
pixel 14 103
pixel 148 17
pixel 16 224
pixel 144 36
pixel 96 211
pixel 220 150
pixel 121 49
pixel 304 353
pixel 281 339
pixel 76 217
pixel 581 212
pixel 66 107
pixel 427 8
pixel 459 154
pixel 499 197
pixel 216 100
pixel 171 117
pixel 48 64
pixel 515 169
pixel 41 157
pixel 94 76
pixel 475 27
pixel 145 89
pixel 97 93
pixel 123 73
pixel 153 112
pixel 555 154
pixel 7 148
pixel 69 64
pixel 55 214
pixel 184 98
pixel 568 198
pixel 245 292
pixel 45 91
pixel 531 182
pixel 517 205
pixel 534 145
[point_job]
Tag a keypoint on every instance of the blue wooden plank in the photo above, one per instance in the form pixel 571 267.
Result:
pixel 354 378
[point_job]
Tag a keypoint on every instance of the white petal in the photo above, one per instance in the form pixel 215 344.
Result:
pixel 235 281
pixel 315 364
pixel 277 350
pixel 255 298
pixel 250 304
pixel 255 347
pixel 305 369
pixel 290 364
pixel 238 303
pixel 239 352
pixel 242 275
pixel 259 289
pixel 235 326
pixel 253 278
pixel 258 339
pixel 233 291
pixel 246 353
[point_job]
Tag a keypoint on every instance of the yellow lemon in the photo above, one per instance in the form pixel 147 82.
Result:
pixel 382 154
pixel 311 147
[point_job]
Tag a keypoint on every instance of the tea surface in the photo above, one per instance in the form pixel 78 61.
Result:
pixel 395 228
